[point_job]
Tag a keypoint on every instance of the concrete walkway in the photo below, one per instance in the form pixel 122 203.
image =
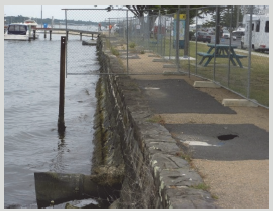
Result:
pixel 228 146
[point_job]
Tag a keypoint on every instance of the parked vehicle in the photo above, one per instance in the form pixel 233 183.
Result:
pixel 239 32
pixel 260 32
pixel 226 34
pixel 201 36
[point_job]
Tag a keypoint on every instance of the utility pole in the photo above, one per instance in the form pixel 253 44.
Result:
pixel 41 16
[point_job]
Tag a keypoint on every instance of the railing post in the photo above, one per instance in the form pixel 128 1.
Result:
pixel 61 124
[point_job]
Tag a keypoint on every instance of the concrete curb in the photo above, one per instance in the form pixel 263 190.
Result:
pixel 238 102
pixel 205 84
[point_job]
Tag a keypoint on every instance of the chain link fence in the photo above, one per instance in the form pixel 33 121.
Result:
pixel 225 44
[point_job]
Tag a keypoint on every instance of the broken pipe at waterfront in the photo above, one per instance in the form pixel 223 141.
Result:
pixel 59 187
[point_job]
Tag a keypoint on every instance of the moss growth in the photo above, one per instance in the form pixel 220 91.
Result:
pixel 214 196
pixel 185 156
pixel 201 186
pixel 156 119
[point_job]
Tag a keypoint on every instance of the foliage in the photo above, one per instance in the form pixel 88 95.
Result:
pixel 191 33
pixel 228 17
pixel 132 45
pixel 21 19
pixel 140 10
pixel 114 51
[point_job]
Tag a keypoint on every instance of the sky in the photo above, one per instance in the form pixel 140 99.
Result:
pixel 34 11
pixel 31 8
pixel 53 8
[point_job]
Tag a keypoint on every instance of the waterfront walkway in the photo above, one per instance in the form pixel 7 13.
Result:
pixel 227 146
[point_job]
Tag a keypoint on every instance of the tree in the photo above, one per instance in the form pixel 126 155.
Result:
pixel 153 11
pixel 228 17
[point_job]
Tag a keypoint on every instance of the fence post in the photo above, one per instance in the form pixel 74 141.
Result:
pixel 249 51
pixel 186 44
pixel 170 43
pixel 127 37
pixel 230 37
pixel 196 21
pixel 177 40
pixel 61 124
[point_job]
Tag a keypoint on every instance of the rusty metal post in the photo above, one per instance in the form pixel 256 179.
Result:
pixel 61 124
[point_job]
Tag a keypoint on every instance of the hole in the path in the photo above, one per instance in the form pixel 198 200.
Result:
pixel 227 137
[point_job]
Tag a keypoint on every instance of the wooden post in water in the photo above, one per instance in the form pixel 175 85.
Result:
pixel 29 32
pixel 50 32
pixel 61 125
pixel 67 35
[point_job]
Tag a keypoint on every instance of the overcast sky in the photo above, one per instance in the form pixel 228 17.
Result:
pixel 34 11
pixel 54 7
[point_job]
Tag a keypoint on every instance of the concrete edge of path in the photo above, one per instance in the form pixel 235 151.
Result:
pixel 238 102
pixel 205 84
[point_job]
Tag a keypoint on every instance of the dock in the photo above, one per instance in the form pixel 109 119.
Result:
pixel 51 31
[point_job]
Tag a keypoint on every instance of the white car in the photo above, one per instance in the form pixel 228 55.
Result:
pixel 226 34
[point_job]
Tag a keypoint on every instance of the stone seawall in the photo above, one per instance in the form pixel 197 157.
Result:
pixel 136 155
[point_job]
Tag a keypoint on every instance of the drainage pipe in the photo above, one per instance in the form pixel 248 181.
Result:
pixel 56 188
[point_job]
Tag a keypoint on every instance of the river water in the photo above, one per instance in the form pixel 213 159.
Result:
pixel 31 106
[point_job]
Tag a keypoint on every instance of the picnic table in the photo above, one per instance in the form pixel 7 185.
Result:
pixel 221 51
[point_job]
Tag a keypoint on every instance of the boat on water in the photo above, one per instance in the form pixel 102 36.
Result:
pixel 17 31
pixel 21 31
pixel 33 25
pixel 31 22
